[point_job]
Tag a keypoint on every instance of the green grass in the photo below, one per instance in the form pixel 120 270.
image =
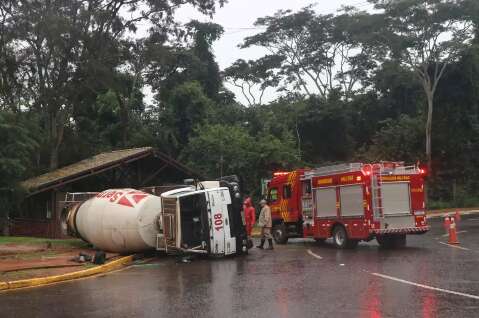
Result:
pixel 461 202
pixel 11 276
pixel 89 265
pixel 36 255
pixel 65 243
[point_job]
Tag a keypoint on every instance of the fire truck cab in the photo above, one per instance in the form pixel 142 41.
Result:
pixel 349 203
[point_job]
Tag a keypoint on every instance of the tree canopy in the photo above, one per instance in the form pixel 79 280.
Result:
pixel 398 83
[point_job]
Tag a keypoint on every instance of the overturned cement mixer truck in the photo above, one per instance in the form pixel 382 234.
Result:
pixel 200 218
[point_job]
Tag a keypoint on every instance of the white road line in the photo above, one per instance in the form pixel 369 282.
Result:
pixel 426 286
pixel 455 246
pixel 458 232
pixel 314 255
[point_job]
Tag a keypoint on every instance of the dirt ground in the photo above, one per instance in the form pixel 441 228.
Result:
pixel 31 260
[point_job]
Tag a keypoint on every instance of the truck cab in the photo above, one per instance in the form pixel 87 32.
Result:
pixel 287 212
pixel 203 219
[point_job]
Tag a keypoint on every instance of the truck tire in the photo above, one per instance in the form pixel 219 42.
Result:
pixel 391 241
pixel 400 241
pixel 384 241
pixel 280 234
pixel 243 247
pixel 341 240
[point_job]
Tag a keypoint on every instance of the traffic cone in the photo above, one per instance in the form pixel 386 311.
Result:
pixel 457 216
pixel 452 233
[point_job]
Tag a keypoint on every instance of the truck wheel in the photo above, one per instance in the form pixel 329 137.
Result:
pixel 279 234
pixel 385 241
pixel 341 240
pixel 391 241
pixel 243 246
pixel 400 241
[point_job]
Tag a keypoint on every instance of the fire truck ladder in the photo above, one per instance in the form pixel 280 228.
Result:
pixel 376 183
pixel 339 168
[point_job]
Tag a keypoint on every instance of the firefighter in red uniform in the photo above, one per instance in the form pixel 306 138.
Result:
pixel 249 215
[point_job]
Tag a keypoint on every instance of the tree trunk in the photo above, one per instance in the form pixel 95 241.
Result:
pixel 53 158
pixel 430 107
pixel 56 139
pixel 123 120
pixel 53 141
pixel 299 140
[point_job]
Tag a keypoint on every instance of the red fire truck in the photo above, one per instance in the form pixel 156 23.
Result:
pixel 350 203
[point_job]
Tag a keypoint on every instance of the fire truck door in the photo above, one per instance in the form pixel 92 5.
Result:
pixel 396 204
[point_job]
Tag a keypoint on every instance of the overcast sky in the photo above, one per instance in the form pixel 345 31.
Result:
pixel 238 15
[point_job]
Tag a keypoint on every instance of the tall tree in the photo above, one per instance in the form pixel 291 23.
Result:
pixel 55 41
pixel 426 36
pixel 184 58
pixel 204 35
pixel 17 145
pixel 254 77
pixel 223 150
pixel 318 53
pixel 187 108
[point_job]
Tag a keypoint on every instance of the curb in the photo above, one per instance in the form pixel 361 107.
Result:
pixel 443 214
pixel 34 282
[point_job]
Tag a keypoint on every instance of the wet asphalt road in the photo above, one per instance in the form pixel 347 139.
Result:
pixel 286 282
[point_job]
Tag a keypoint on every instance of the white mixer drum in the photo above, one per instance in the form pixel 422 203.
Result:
pixel 118 220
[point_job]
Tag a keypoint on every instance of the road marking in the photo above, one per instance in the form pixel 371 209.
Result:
pixel 314 255
pixel 458 232
pixel 455 246
pixel 426 286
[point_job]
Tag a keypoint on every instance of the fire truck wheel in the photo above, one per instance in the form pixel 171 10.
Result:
pixel 391 241
pixel 280 234
pixel 400 240
pixel 340 238
pixel 385 241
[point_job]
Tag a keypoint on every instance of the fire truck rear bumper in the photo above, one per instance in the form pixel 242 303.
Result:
pixel 409 230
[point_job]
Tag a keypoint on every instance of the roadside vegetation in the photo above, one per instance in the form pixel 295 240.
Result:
pixel 399 83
